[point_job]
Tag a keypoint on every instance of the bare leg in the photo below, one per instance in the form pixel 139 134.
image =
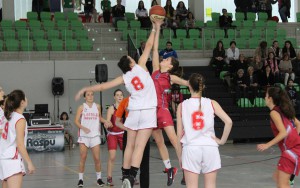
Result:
pixel 210 179
pixel 83 154
pixel 111 162
pixel 131 136
pixel 160 142
pixel 15 181
pixel 283 179
pixel 191 179
pixel 96 157
pixel 170 131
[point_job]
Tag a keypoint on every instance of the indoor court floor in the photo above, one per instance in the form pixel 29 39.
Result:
pixel 242 167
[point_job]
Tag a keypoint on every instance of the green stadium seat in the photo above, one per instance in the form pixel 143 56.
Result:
pixel 251 16
pixel 181 33
pixel 71 45
pixel 122 25
pixel 38 34
pixel 57 45
pixel 9 34
pixel 270 34
pixel 241 43
pixel 256 33
pixel 125 34
pixel 20 25
pixel 262 16
pixel 76 25
pixel 259 102
pixel 12 45
pixel 199 24
pixel 248 24
pixel 176 44
pixel 52 34
pixel 271 24
pixel 260 24
pixel 281 33
pixel 209 44
pixel 226 42
pixel 162 44
pixel 59 16
pixel 81 34
pixel 129 16
pixel 298 16
pixel 167 33
pixel 188 44
pixel 215 16
pixel 45 16
pixel 6 25
pixel 26 45
pixel 66 35
pixel 244 103
pixel 231 33
pixel 135 24
pixel 86 45
pixel 34 24
pixel 219 34
pixel 239 16
pixel 222 74
pixel 48 25
pixel 141 34
pixel 41 45
pixel 211 24
pixel 23 34
pixel 62 25
pixel 194 33
pixel 238 24
pixel 244 33
pixel 254 43
pixel 199 43
pixel 32 16
pixel 208 33
pixel 1 45
pixel 72 16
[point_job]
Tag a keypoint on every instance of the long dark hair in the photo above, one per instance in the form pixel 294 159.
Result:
pixel 154 2
pixel 217 46
pixel 62 114
pixel 282 100
pixel 13 102
pixel 176 69
pixel 197 83
pixel 141 7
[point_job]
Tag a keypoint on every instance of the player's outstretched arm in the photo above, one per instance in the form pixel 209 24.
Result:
pixel 100 87
pixel 179 81
pixel 155 59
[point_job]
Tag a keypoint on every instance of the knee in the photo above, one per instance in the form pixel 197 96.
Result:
pixel 83 157
pixel 160 142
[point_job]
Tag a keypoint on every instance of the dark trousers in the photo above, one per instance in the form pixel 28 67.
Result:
pixel 144 168
pixel 106 16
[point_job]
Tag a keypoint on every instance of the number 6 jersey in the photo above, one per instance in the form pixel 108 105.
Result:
pixel 139 84
pixel 198 126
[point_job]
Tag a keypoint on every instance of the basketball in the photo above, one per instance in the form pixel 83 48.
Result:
pixel 157 12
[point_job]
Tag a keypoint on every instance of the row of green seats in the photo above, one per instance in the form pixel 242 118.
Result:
pixel 246 103
pixel 48 16
pixel 240 16
pixel 246 24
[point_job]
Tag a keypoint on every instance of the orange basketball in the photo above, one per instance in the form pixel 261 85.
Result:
pixel 157 12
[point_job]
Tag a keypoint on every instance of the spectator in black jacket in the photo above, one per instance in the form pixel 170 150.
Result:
pixel 291 91
pixel 252 84
pixel 225 22
pixel 267 78
pixel 118 12
pixel 218 58
pixel 289 49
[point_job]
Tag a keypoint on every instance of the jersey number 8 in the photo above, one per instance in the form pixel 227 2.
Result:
pixel 5 133
pixel 137 84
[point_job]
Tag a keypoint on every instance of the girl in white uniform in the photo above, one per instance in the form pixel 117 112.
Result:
pixel 12 144
pixel 195 131
pixel 142 108
pixel 88 119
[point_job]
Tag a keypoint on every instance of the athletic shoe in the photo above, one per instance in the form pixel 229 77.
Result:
pixel 80 183
pixel 292 183
pixel 100 182
pixel 171 175
pixel 109 181
pixel 128 182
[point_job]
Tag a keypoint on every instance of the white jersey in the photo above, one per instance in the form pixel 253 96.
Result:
pixel 8 142
pixel 2 119
pixel 141 87
pixel 90 119
pixel 198 126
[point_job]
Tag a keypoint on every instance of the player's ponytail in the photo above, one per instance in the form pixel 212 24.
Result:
pixel 176 69
pixel 197 82
pixel 13 102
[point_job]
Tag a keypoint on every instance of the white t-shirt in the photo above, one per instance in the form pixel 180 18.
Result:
pixel 198 126
pixel 141 13
pixel 2 118
pixel 8 144
pixel 140 85
pixel 90 119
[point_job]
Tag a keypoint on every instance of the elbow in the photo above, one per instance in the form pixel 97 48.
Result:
pixel 229 123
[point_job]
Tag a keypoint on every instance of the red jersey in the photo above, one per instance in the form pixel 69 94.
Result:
pixel 162 86
pixel 290 145
pixel 114 129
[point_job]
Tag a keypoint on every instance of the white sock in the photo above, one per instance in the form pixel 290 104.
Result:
pixel 167 163
pixel 81 176
pixel 98 175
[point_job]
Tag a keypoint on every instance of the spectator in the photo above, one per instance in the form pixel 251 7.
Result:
pixel 218 58
pixel 89 6
pixel 257 64
pixel 252 84
pixel 286 68
pixel 225 22
pixel 262 50
pixel 68 127
pixel 139 53
pixel 275 49
pixel 175 22
pixel 233 54
pixel 289 49
pixel 106 8
pixel 68 6
pixel 266 6
pixel 142 15
pixel 37 6
pixel 267 78
pixel 154 2
pixel 291 91
pixel 190 21
pixel 284 7
pixel 169 13
pixel 118 12
pixel 181 10
pixel 243 6
pixel 240 83
pixel 272 63
pixel 296 64
pixel 167 52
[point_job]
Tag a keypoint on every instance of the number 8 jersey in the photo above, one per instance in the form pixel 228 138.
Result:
pixel 139 84
pixel 198 126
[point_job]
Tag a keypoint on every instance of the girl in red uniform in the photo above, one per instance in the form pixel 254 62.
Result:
pixel 286 128
pixel 114 136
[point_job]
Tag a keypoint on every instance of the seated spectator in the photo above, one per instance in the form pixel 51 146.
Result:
pixel 218 58
pixel 262 50
pixel 257 64
pixel 289 49
pixel 239 82
pixel 167 52
pixel 118 12
pixel 232 54
pixel 291 91
pixel 272 63
pixel 169 13
pixel 225 22
pixel 252 84
pixel 175 22
pixel 181 10
pixel 142 15
pixel 64 120
pixel 286 68
pixel 154 2
pixel 275 49
pixel 296 64
pixel 190 21
pixel 267 78
pixel 241 63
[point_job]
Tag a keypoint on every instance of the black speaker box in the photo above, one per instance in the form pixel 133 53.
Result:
pixel 57 86
pixel 101 73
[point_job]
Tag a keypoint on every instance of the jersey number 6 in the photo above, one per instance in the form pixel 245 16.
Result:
pixel 198 122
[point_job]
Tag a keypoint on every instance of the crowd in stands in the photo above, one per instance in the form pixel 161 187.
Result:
pixel 268 66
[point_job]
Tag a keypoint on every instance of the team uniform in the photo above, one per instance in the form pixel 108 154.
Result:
pixel 289 146
pixel 200 151
pixel 90 119
pixel 11 161
pixel 115 134
pixel 2 119
pixel 162 86
pixel 143 101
